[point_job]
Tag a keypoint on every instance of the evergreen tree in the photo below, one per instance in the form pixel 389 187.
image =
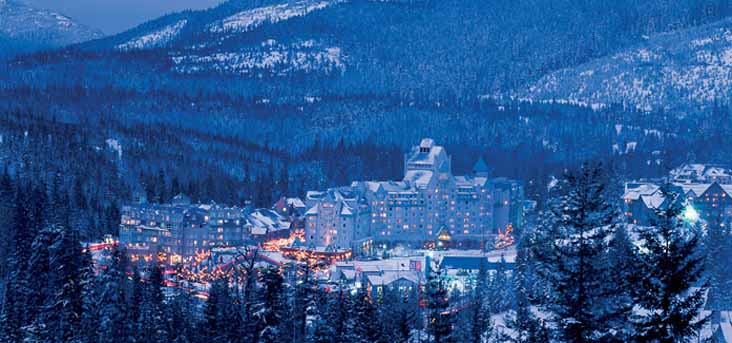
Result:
pixel 334 322
pixel 576 228
pixel 7 199
pixel 271 313
pixel 522 324
pixel 68 281
pixel 134 304
pixel 113 312
pixel 304 304
pixel 499 289
pixel 219 318
pixel 181 327
pixel 668 295
pixel 621 265
pixel 439 320
pixel 151 320
pixel 363 326
pixel 480 313
pixel 42 291
pixel 18 287
pixel 397 315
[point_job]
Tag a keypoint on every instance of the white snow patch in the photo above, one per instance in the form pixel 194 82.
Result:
pixel 154 39
pixel 278 59
pixel 114 145
pixel 250 19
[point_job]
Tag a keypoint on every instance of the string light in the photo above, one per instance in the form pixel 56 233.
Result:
pixel 505 238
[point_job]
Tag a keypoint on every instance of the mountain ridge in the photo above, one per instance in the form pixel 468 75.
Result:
pixel 674 71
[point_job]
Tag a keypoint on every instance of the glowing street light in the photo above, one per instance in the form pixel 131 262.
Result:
pixel 690 214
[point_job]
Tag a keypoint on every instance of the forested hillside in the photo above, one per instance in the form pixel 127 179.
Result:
pixel 681 72
pixel 227 102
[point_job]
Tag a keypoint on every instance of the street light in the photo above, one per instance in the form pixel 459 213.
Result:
pixel 690 214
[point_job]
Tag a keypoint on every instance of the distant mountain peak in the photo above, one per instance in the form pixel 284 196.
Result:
pixel 25 28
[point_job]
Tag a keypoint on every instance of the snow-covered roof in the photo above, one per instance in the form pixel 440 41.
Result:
pixel 469 181
pixel 721 332
pixel 396 186
pixel 314 195
pixel 295 202
pixel 634 191
pixel 313 211
pixel 653 200
pixel 427 143
pixel 696 172
pixel 418 178
pixel 266 220
pixel 391 264
pixel 388 277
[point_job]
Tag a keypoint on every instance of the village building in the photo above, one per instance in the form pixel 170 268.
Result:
pixel 707 191
pixel 177 231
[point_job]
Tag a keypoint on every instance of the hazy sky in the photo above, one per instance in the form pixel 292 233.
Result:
pixel 113 16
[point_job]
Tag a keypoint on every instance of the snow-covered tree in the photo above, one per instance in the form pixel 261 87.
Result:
pixel 669 294
pixel 522 325
pixel 440 319
pixel 69 270
pixel 575 230
pixel 363 326
pixel 499 293
pixel 113 327
pixel 151 319
pixel 272 307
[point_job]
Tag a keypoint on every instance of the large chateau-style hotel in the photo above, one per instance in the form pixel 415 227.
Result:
pixel 428 203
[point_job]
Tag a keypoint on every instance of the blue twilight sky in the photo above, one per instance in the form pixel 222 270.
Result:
pixel 114 16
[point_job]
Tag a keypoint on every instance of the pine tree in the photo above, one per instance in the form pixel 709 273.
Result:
pixel 575 229
pixel 7 198
pixel 91 301
pixel 245 283
pixel 397 315
pixel 363 326
pixel 18 287
pixel 668 295
pixel 479 311
pixel 440 318
pixel 304 305
pixel 68 281
pixel 151 320
pixel 523 326
pixel 134 303
pixel 334 322
pixel 219 321
pixel 112 313
pixel 272 307
pixel 42 290
pixel 181 327
pixel 621 264
pixel 499 289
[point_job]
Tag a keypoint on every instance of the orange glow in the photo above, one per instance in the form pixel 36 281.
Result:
pixel 279 243
pixel 505 238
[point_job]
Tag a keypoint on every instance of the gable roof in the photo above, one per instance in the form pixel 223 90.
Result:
pixel 480 167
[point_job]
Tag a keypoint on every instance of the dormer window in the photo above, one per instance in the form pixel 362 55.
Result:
pixel 424 149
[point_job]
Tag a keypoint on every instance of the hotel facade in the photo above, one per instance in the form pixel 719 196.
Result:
pixel 429 201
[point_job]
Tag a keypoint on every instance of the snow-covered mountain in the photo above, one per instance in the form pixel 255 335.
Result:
pixel 676 71
pixel 216 41
pixel 24 28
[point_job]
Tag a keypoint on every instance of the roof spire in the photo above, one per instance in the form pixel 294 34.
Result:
pixel 480 168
